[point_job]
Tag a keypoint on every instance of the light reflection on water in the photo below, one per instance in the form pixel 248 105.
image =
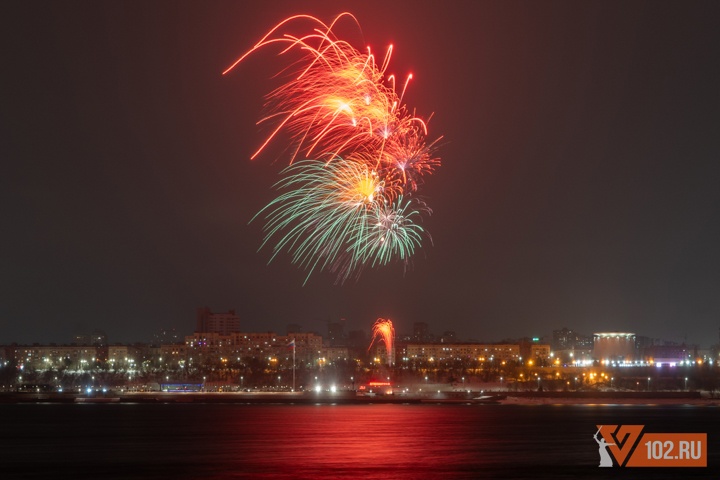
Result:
pixel 390 441
pixel 379 441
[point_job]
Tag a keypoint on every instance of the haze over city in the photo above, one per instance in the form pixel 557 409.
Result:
pixel 578 186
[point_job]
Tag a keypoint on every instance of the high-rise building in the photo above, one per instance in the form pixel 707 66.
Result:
pixel 563 339
pixel 222 323
pixel 420 332
pixel 566 339
pixel 336 333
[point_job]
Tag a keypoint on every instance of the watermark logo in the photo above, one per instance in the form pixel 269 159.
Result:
pixel 628 446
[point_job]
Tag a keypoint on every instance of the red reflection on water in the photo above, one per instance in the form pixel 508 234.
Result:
pixel 385 440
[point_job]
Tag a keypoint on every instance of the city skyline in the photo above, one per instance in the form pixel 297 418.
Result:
pixel 578 186
pixel 339 333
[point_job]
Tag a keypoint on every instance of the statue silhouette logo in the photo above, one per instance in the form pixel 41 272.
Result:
pixel 605 459
pixel 616 443
pixel 629 446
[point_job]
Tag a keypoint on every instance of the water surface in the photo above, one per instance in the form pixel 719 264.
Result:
pixel 226 441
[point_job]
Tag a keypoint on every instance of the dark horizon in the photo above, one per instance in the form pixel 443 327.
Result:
pixel 578 187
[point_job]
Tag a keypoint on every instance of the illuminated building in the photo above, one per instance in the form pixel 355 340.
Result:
pixel 334 354
pixel 668 355
pixel 43 357
pixel 308 346
pixel 566 339
pixel 123 356
pixel 540 351
pixel 475 351
pixel 614 346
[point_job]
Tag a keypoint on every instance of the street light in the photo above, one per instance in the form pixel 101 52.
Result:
pixel 685 383
pixel 648 383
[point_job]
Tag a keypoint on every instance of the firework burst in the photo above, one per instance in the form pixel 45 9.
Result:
pixel 348 198
pixel 383 330
pixel 336 217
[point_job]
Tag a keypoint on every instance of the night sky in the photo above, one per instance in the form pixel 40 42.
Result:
pixel 579 185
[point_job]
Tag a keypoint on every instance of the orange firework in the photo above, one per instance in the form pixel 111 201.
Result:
pixel 341 108
pixel 383 329
pixel 341 101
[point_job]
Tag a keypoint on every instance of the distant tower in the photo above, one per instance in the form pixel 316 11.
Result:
pixel 420 332
pixel 336 332
pixel 563 339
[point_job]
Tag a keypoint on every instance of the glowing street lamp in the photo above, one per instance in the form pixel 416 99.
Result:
pixel 685 383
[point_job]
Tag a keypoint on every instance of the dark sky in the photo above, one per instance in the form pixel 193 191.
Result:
pixel 579 184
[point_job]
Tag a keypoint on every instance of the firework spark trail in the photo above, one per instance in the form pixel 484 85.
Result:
pixel 351 203
pixel 383 330
pixel 335 217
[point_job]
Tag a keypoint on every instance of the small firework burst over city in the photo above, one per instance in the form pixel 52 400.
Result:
pixel 349 198
pixel 384 331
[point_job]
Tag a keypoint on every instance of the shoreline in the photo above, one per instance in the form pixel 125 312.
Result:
pixel 702 402
pixel 351 398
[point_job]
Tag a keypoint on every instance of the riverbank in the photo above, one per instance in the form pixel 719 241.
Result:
pixel 610 401
pixel 350 397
